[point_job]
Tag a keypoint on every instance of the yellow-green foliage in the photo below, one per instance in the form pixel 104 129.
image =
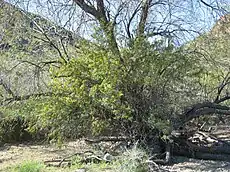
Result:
pixel 92 77
pixel 95 90
pixel 87 88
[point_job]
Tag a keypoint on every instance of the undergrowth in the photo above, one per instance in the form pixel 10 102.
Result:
pixel 29 166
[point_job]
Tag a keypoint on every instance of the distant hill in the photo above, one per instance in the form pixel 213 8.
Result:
pixel 213 53
pixel 222 27
pixel 19 29
pixel 215 43
pixel 27 42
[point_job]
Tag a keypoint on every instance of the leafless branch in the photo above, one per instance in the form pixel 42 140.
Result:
pixel 224 83
pixel 131 19
pixel 89 9
pixel 208 5
pixel 206 108
pixel 39 65
pixel 47 39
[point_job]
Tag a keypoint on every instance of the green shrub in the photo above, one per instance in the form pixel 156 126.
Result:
pixel 16 126
pixel 14 129
pixel 95 93
pixel 29 167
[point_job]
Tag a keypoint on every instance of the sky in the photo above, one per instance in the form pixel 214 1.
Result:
pixel 187 14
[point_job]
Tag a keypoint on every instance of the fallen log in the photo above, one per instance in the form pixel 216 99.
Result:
pixel 108 139
pixel 222 148
pixel 205 146
pixel 202 155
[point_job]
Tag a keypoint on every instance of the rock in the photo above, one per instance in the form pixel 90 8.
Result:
pixel 108 157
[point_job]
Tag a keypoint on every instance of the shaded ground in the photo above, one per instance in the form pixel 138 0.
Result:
pixel 11 155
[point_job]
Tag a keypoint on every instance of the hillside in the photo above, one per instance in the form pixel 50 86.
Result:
pixel 29 45
pixel 215 44
pixel 213 53
pixel 222 27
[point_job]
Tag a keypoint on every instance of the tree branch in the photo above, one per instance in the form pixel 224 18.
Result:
pixel 107 27
pixel 220 100
pixel 108 139
pixel 224 83
pixel 89 9
pixel 47 39
pixel 101 10
pixel 206 108
pixel 130 21
pixel 143 19
pixel 208 5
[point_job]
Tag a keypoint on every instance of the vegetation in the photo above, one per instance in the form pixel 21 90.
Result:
pixel 29 167
pixel 130 161
pixel 57 85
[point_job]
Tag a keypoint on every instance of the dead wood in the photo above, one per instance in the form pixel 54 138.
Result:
pixel 200 145
pixel 167 156
pixel 108 139
pixel 56 160
pixel 206 108
pixel 66 159
pixel 202 155
pixel 91 157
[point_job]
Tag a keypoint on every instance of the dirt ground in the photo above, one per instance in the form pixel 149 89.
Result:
pixel 194 165
pixel 11 155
